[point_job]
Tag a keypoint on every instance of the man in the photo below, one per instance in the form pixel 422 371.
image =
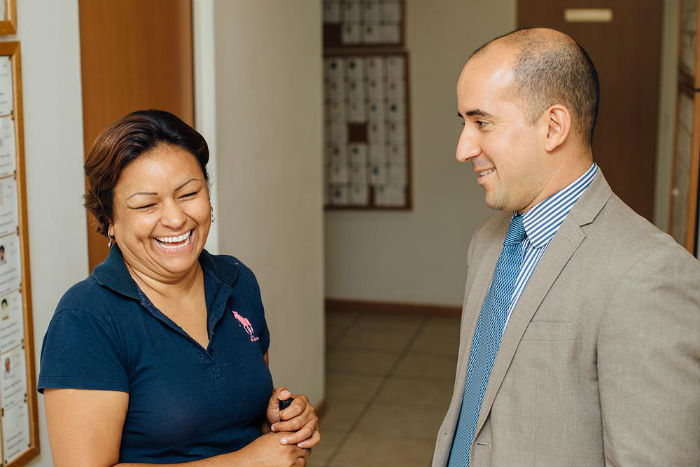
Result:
pixel 580 339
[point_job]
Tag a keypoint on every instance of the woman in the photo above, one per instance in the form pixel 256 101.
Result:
pixel 160 356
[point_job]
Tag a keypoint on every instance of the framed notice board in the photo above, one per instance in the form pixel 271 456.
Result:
pixel 367 147
pixel 8 16
pixel 19 434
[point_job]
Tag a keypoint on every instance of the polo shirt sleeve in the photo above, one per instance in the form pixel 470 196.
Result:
pixel 263 331
pixel 81 350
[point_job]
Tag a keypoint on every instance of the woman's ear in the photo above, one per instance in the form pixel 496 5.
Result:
pixel 558 126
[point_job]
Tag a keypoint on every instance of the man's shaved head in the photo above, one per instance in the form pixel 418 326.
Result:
pixel 549 68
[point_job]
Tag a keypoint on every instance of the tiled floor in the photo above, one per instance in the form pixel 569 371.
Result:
pixel 388 384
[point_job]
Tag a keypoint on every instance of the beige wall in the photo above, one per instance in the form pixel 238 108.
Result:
pixel 420 256
pixel 53 134
pixel 269 127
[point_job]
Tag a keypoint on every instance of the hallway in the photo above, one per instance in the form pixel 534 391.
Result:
pixel 389 380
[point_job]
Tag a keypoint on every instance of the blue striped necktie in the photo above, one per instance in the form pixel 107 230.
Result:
pixel 487 339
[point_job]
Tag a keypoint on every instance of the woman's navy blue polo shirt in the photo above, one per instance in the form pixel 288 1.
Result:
pixel 185 402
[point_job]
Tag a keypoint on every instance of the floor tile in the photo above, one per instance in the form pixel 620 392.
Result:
pixel 367 337
pixel 341 416
pixel 360 362
pixel 334 333
pixel 416 392
pixel 340 317
pixel 437 341
pixel 321 454
pixel 361 450
pixel 449 322
pixel 427 366
pixel 401 421
pixel 350 388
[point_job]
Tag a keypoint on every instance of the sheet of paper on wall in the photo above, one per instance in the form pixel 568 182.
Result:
pixel 359 195
pixel 391 32
pixel 394 67
pixel 377 174
pixel 397 175
pixel 375 89
pixel 396 153
pixel 8 148
pixel 351 33
pixel 10 264
pixel 337 133
pixel 355 91
pixel 357 152
pixel 6 93
pixel 356 112
pixel 375 112
pixel 354 69
pixel 374 68
pixel 390 196
pixel 395 88
pixel 9 217
pixel 338 173
pixel 340 195
pixel 371 11
pixel 377 154
pixel 334 89
pixel 15 413
pixel 395 110
pixel 372 33
pixel 396 131
pixel 358 175
pixel 391 10
pixel 376 133
pixel 352 11
pixel 332 11
pixel 11 321
pixel 335 69
pixel 335 110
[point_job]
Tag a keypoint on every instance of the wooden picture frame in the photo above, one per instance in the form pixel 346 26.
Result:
pixel 12 50
pixel 8 24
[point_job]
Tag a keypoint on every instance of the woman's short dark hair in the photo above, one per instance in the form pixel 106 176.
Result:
pixel 123 141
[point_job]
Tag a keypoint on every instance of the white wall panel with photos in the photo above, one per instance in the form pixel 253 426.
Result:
pixel 18 405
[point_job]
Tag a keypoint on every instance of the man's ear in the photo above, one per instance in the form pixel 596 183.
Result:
pixel 558 123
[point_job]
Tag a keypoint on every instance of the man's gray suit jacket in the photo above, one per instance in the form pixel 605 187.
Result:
pixel 600 361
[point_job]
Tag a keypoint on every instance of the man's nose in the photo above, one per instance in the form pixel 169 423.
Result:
pixel 467 147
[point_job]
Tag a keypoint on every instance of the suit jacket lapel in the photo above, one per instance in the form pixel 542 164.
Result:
pixel 558 253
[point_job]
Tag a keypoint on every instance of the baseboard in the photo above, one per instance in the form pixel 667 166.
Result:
pixel 334 304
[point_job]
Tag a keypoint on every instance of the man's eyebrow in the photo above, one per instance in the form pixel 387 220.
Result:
pixel 478 113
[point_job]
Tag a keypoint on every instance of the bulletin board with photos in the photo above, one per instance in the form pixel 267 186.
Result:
pixel 684 208
pixel 367 163
pixel 19 440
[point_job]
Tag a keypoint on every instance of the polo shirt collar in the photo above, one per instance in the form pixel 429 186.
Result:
pixel 112 272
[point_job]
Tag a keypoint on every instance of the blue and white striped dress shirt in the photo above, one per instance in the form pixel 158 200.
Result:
pixel 541 224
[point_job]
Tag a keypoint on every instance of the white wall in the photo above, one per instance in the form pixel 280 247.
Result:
pixel 269 140
pixel 53 136
pixel 420 256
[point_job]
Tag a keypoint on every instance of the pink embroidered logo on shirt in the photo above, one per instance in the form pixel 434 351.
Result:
pixel 246 325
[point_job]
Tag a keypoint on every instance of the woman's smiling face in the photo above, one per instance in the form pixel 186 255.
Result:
pixel 161 213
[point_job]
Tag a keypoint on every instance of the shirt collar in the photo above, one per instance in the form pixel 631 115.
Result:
pixel 112 272
pixel 543 221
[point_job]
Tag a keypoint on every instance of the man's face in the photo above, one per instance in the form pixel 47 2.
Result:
pixel 505 150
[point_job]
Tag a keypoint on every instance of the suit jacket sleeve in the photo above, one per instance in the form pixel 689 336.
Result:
pixel 649 363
